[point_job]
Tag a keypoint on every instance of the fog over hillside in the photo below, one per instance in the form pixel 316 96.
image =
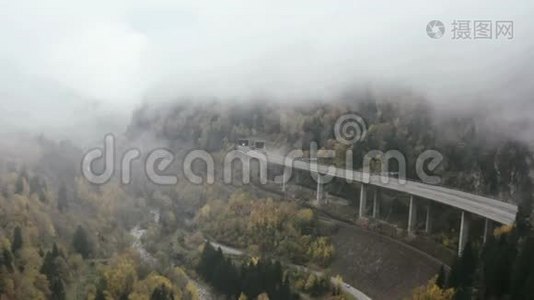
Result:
pixel 78 70
pixel 305 149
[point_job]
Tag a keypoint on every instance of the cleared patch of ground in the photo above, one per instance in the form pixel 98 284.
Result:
pixel 379 266
pixel 376 264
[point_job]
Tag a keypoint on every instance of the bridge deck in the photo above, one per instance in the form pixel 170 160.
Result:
pixel 492 209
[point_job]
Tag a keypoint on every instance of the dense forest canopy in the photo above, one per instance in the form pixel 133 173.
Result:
pixel 141 149
pixel 62 237
pixel 478 157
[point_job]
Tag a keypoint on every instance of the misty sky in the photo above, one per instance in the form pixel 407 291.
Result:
pixel 65 64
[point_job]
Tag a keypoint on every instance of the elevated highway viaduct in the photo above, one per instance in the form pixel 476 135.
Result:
pixel 493 211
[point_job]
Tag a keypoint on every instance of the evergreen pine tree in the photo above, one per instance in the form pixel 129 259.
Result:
pixel 80 242
pixel 4 275
pixel 62 199
pixel 162 293
pixel 497 259
pixel 50 269
pixel 19 185
pixel 35 185
pixel 278 274
pixel 528 288
pixel 523 269
pixel 48 266
pixel 56 252
pixel 462 273
pixel 56 288
pixel 285 291
pixel 16 244
pixel 42 196
pixel 469 264
pixel 100 294
pixel 441 280
pixel 8 259
pixel 207 260
pixel 102 284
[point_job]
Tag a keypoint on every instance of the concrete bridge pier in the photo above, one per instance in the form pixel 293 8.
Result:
pixel 284 182
pixel 376 204
pixel 363 200
pixel 428 220
pixel 319 193
pixel 464 231
pixel 412 215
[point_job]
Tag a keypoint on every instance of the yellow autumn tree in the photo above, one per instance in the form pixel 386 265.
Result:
pixel 337 282
pixel 120 276
pixel 143 289
pixel 504 229
pixel 304 216
pixel 321 251
pixel 432 292
pixel 191 291
pixel 311 281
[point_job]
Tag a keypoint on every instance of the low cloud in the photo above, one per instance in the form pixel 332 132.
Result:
pixel 67 64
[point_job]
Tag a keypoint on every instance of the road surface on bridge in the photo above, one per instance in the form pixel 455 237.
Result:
pixel 492 209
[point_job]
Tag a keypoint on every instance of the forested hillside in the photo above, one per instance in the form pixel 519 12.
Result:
pixel 478 156
pixel 64 238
